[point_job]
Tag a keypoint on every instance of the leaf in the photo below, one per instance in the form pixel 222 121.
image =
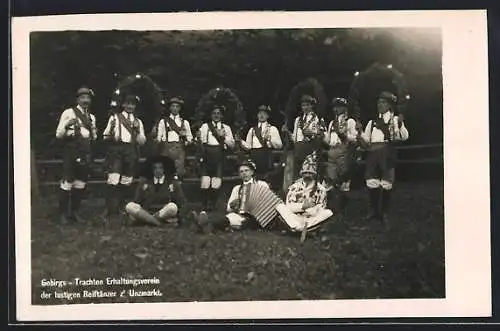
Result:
pixel 250 276
pixel 105 239
pixel 142 256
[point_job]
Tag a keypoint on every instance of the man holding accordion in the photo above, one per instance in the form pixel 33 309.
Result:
pixel 251 203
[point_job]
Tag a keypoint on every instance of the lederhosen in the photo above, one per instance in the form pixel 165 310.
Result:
pixel 123 157
pixel 77 152
pixel 261 156
pixel 381 156
pixel 305 147
pixel 341 158
pixel 174 149
pixel 214 154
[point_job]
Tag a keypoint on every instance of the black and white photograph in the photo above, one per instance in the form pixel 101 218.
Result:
pixel 225 164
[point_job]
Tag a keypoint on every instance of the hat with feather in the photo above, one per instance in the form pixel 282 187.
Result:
pixel 310 164
pixel 308 91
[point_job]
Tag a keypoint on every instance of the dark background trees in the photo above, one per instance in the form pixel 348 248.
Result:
pixel 259 65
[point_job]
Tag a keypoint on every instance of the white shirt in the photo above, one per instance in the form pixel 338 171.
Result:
pixel 68 115
pixel 160 180
pixel 332 138
pixel 171 135
pixel 209 139
pixel 126 137
pixel 298 135
pixel 236 190
pixel 377 135
pixel 270 134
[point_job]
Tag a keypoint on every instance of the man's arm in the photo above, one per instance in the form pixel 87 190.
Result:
pixel 291 199
pixel 276 142
pixel 229 138
pixel 247 143
pixel 352 133
pixel 94 127
pixel 141 137
pixel 204 133
pixel 295 130
pixel 401 132
pixel 162 132
pixel 107 131
pixel 189 134
pixel 232 197
pixel 63 124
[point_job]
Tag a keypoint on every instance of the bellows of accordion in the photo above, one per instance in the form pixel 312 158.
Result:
pixel 261 204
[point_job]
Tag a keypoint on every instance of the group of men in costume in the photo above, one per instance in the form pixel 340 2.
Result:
pixel 314 197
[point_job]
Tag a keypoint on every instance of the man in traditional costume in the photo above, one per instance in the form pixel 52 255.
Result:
pixel 159 196
pixel 380 136
pixel 174 134
pixel 216 138
pixel 125 131
pixel 307 131
pixel 236 216
pixel 306 201
pixel 341 138
pixel 260 142
pixel 77 129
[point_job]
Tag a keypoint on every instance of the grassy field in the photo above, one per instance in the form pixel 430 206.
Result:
pixel 350 260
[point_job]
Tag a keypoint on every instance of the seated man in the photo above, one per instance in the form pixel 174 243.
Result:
pixel 305 206
pixel 237 216
pixel 159 195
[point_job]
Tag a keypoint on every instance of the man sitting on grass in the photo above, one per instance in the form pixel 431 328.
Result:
pixel 235 218
pixel 305 207
pixel 159 195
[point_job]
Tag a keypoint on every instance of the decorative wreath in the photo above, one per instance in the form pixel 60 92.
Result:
pixel 312 87
pixel 129 84
pixel 233 110
pixel 379 70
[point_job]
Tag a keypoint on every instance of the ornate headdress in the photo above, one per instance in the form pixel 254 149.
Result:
pixel 224 99
pixel 370 84
pixel 310 164
pixel 309 90
pixel 249 163
pixel 128 86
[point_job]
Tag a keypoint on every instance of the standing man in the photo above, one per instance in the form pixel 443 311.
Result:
pixel 305 207
pixel 216 138
pixel 261 140
pixel 307 131
pixel 77 129
pixel 174 134
pixel 340 137
pixel 125 131
pixel 159 196
pixel 380 136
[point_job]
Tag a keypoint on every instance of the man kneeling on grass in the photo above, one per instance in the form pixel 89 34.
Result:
pixel 159 196
pixel 237 216
pixel 305 208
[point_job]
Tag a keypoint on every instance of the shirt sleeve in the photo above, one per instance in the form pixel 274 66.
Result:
pixel 366 134
pixel 61 126
pixel 204 133
pixel 94 127
pixel 189 134
pixel 247 143
pixel 107 130
pixel 161 134
pixel 401 132
pixel 295 129
pixel 275 138
pixel 141 137
pixel 351 130
pixel 291 199
pixel 229 139
pixel 232 197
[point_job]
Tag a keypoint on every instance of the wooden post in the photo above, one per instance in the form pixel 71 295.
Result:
pixel 34 180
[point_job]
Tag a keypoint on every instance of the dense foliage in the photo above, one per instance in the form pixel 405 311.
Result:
pixel 259 65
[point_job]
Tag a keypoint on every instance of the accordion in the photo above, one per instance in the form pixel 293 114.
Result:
pixel 261 203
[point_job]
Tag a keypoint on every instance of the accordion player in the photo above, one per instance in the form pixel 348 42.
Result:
pixel 251 204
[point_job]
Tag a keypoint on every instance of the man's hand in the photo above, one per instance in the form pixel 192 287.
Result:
pixel 309 203
pixel 71 122
pixel 182 133
pixel 234 205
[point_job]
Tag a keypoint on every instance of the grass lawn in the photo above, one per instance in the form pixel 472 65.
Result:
pixel 351 260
